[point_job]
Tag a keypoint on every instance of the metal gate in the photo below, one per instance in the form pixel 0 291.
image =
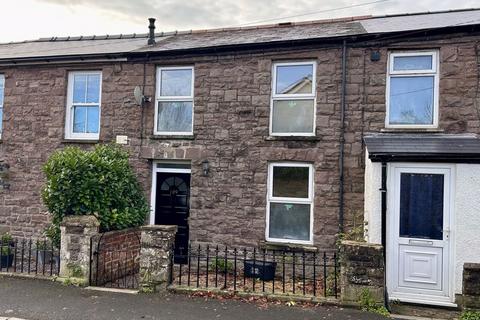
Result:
pixel 115 261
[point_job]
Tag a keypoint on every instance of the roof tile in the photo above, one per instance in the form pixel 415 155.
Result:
pixel 187 40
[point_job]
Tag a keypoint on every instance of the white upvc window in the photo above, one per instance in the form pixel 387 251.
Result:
pixel 293 102
pixel 174 101
pixel 2 95
pixel 290 203
pixel 412 90
pixel 84 98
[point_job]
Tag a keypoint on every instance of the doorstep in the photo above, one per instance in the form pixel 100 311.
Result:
pixel 404 310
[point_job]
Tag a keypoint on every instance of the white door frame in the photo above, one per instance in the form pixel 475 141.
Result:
pixel 392 242
pixel 155 170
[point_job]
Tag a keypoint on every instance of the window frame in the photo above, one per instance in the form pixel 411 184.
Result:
pixel 272 199
pixel 434 71
pixel 301 96
pixel 2 77
pixel 159 98
pixel 69 134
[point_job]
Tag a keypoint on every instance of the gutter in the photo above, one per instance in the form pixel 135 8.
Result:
pixel 425 157
pixel 74 59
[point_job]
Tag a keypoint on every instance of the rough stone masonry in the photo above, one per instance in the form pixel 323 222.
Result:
pixel 232 94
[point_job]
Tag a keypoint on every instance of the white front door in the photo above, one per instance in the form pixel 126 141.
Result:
pixel 419 239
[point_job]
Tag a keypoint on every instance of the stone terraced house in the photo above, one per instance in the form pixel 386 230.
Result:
pixel 277 135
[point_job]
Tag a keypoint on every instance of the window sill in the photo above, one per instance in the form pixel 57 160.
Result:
pixel 413 130
pixel 172 137
pixel 85 141
pixel 292 138
pixel 270 245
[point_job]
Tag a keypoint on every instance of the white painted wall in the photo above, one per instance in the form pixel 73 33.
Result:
pixel 467 219
pixel 373 201
pixel 466 224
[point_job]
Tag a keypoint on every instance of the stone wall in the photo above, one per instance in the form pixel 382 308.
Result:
pixel 76 232
pixel 470 298
pixel 231 118
pixel 362 268
pixel 156 257
pixel 116 256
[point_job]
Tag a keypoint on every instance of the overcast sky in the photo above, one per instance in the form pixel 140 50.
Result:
pixel 31 19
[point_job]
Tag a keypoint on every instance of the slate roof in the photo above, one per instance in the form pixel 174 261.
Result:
pixel 214 38
pixel 423 147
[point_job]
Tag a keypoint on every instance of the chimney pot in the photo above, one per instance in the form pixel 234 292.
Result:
pixel 151 33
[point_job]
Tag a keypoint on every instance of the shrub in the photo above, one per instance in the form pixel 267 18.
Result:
pixel 219 264
pixel 6 251
pixel 367 303
pixel 99 182
pixel 6 243
pixel 52 232
pixel 6 238
pixel 470 315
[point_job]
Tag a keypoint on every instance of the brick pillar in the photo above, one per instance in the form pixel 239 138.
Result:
pixel 362 268
pixel 76 232
pixel 156 253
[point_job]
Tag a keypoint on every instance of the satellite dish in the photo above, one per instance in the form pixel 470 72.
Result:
pixel 137 93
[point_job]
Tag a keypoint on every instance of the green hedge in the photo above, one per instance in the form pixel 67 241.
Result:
pixel 99 182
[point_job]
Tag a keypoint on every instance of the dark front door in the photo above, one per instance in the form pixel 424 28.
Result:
pixel 172 207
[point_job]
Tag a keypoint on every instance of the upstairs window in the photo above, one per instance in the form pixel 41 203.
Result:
pixel 412 90
pixel 174 110
pixel 2 94
pixel 293 99
pixel 83 105
pixel 290 203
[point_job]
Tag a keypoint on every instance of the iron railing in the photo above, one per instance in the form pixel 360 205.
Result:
pixel 254 270
pixel 29 256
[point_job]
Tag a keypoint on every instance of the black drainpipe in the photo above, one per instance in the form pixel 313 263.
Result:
pixel 384 206
pixel 383 190
pixel 342 136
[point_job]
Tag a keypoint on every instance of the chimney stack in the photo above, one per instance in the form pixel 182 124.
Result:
pixel 151 34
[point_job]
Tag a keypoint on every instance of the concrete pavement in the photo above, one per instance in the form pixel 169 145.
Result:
pixel 46 300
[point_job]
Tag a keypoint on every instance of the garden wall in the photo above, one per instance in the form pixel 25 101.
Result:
pixel 115 255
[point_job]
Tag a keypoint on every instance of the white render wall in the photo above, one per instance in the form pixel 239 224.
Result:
pixel 466 222
pixel 373 201
pixel 467 219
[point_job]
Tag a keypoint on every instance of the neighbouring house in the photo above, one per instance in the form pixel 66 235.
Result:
pixel 277 135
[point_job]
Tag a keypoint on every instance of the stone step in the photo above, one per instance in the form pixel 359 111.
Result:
pixel 421 312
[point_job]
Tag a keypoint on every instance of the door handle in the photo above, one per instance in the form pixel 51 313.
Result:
pixel 446 233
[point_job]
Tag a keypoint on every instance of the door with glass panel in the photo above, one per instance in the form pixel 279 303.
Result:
pixel 419 237
pixel 171 202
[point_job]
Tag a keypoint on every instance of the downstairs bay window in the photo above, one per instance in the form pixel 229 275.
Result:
pixel 290 203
